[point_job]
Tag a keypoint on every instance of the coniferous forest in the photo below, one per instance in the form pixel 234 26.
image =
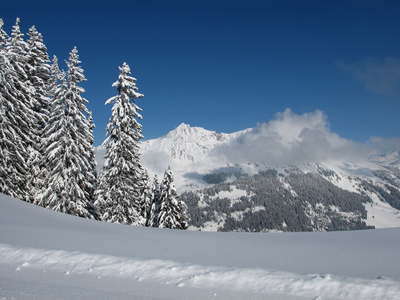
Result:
pixel 46 141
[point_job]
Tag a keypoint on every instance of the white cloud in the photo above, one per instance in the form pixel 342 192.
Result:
pixel 290 139
pixel 383 145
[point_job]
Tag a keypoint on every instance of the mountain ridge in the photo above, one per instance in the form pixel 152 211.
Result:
pixel 188 142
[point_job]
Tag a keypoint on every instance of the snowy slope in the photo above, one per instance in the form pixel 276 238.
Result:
pixel 49 255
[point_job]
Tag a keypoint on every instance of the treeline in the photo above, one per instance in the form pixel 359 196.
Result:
pixel 295 201
pixel 46 141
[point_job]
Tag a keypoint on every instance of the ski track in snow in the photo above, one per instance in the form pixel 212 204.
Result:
pixel 195 276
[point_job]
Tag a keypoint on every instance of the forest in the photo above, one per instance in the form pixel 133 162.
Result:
pixel 46 143
pixel 294 201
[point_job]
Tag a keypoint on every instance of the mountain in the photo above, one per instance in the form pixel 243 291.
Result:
pixel 188 144
pixel 242 181
pixel 226 192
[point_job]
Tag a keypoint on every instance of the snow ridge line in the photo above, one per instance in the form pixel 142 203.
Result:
pixel 196 276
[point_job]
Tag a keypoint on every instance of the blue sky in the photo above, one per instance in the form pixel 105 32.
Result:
pixel 229 65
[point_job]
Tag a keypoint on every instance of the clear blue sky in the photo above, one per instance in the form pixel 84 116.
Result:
pixel 228 65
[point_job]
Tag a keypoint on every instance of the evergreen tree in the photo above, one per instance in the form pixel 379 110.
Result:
pixel 38 71
pixel 38 65
pixel 3 36
pixel 145 197
pixel 119 186
pixel 172 211
pixel 92 163
pixel 17 115
pixel 56 78
pixel 17 54
pixel 155 203
pixel 69 180
pixel 85 125
pixel 13 138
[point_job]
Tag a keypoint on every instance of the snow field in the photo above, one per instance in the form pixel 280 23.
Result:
pixel 258 281
pixel 50 255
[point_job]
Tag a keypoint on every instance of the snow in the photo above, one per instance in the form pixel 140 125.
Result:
pixel 381 215
pixel 234 193
pixel 288 187
pixel 50 255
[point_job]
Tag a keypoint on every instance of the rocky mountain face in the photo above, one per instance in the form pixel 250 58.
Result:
pixel 235 195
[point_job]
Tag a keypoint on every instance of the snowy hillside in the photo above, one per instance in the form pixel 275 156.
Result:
pixel 50 255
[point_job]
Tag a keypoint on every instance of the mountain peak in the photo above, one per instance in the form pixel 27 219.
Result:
pixel 186 132
pixel 183 126
pixel 187 143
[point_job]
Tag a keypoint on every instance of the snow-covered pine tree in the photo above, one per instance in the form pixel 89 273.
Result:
pixel 17 53
pixel 67 144
pixel 38 71
pixel 13 137
pixel 93 164
pixel 155 203
pixel 3 36
pixel 38 65
pixel 18 114
pixel 172 211
pixel 85 125
pixel 146 197
pixel 119 184
pixel 56 78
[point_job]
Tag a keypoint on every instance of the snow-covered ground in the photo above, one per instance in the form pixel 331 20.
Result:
pixel 49 255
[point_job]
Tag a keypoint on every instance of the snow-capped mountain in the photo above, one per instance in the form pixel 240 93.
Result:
pixel 201 158
pixel 188 144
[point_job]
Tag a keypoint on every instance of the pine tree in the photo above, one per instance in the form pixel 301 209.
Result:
pixel 145 197
pixel 13 138
pixel 18 117
pixel 38 72
pixel 119 186
pixel 91 189
pixel 172 211
pixel 3 36
pixel 155 203
pixel 69 181
pixel 38 65
pixel 17 53
pixel 56 78
pixel 85 125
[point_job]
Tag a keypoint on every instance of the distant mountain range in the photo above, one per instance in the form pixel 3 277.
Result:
pixel 226 192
